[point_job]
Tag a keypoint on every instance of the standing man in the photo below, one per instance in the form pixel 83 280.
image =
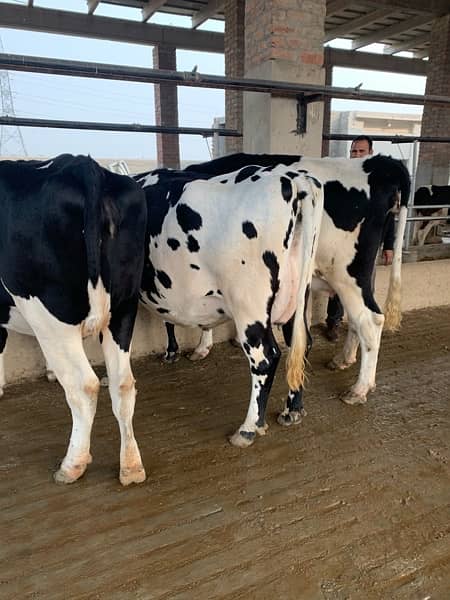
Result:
pixel 361 146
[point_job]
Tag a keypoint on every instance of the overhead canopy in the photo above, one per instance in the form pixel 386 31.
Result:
pixel 402 25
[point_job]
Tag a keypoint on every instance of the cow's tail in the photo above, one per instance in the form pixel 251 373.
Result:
pixel 91 177
pixel 392 308
pixel 311 216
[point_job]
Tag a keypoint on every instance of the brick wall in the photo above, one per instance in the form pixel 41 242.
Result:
pixel 289 30
pixel 435 158
pixel 166 108
pixel 234 67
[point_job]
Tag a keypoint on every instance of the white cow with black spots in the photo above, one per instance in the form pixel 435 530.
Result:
pixel 243 252
pixel 359 193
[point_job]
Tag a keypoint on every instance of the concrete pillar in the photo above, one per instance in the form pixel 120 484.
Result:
pixel 234 11
pixel 434 159
pixel 166 108
pixel 283 41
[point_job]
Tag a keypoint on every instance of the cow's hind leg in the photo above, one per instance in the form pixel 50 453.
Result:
pixel 62 346
pixel 3 338
pixel 369 326
pixel 204 346
pixel 293 411
pixel 116 349
pixel 171 354
pixel 347 356
pixel 263 354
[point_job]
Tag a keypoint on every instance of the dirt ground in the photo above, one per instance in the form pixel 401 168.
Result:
pixel 354 503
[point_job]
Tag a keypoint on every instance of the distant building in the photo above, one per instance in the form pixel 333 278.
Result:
pixel 358 122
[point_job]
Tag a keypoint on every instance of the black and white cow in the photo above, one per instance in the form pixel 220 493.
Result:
pixel 71 259
pixel 430 195
pixel 359 193
pixel 243 252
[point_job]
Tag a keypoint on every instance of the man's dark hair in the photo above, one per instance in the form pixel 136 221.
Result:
pixel 362 138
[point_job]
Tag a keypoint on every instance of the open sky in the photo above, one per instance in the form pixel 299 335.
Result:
pixel 57 97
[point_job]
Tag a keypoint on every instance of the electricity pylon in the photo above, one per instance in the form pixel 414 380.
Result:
pixel 11 140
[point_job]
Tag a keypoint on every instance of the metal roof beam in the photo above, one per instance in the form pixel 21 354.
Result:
pixel 388 32
pixel 336 6
pixel 354 24
pixel 150 8
pixel 106 28
pixel 213 7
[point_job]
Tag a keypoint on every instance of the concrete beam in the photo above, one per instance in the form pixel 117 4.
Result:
pixel 411 43
pixel 374 62
pixel 354 24
pixel 106 28
pixel 149 9
pixel 213 7
pixel 392 30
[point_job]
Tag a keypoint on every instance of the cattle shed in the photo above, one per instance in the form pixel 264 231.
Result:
pixel 354 502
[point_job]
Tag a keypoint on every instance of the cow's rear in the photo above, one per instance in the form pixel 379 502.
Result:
pixel 71 257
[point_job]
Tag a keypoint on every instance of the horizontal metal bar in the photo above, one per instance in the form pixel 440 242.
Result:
pixel 433 206
pixel 441 218
pixel 395 139
pixel 94 125
pixel 107 71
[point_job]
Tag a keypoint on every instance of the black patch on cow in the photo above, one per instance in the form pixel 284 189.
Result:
pixel 219 292
pixel 162 310
pixel 210 293
pixel 286 188
pixel 192 244
pixel 291 174
pixel 315 181
pixel 220 311
pixel 100 338
pixel 173 243
pixel 224 181
pixel 271 262
pixel 242 262
pixel 255 177
pixel 245 173
pixel 164 279
pixel 187 218
pixel 156 244
pixel 149 280
pixel 233 162
pixel 288 233
pixel 249 229
pixel 347 208
pixel 195 267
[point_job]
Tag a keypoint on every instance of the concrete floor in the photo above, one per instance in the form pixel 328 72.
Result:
pixel 354 503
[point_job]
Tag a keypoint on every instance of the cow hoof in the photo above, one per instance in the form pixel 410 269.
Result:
pixel 235 342
pixel 104 382
pixel 243 439
pixel 66 476
pixel 135 475
pixel 337 366
pixel 352 399
pixel 199 355
pixel 294 417
pixel 171 357
pixel 262 430
pixel 51 377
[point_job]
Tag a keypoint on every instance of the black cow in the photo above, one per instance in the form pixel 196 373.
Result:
pixel 71 259
pixel 430 195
